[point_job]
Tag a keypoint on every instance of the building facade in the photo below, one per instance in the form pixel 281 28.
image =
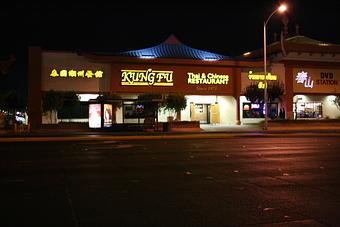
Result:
pixel 311 70
pixel 210 82
pixel 213 84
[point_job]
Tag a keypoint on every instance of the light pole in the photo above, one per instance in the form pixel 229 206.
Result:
pixel 280 9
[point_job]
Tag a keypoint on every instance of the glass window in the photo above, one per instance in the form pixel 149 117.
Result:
pixel 255 110
pixel 252 110
pixel 134 111
pixel 308 110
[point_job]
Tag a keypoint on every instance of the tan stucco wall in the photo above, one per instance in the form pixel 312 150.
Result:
pixel 72 61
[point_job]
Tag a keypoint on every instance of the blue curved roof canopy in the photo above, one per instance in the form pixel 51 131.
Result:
pixel 173 48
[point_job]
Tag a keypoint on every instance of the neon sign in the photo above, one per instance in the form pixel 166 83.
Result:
pixel 207 78
pixel 74 73
pixel 261 85
pixel 255 106
pixel 303 78
pixel 146 78
pixel 269 76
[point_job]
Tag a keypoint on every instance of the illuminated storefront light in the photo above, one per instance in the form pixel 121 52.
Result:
pixel 87 97
pixel 303 78
pixel 146 77
pixel 147 56
pixel 252 76
pixel 207 78
pixel 76 73
pixel 260 77
pixel 210 59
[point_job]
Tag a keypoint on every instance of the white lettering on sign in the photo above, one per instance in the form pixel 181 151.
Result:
pixel 303 78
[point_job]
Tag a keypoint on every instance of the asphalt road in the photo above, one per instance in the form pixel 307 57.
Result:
pixel 252 181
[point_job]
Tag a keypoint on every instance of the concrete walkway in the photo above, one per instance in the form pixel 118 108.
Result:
pixel 206 132
pixel 230 128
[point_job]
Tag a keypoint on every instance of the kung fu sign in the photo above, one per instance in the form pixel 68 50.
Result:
pixel 147 77
pixel 135 78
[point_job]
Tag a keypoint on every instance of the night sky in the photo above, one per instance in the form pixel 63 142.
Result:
pixel 226 28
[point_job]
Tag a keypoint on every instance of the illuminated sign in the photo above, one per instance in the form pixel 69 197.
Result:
pixel 146 78
pixel 269 76
pixel 76 73
pixel 246 107
pixel 316 80
pixel 207 78
pixel 255 106
pixel 95 116
pixel 261 85
pixel 303 78
pixel 107 115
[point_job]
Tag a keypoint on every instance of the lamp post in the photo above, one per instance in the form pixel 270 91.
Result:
pixel 280 9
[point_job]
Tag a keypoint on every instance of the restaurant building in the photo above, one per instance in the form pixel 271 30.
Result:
pixel 211 82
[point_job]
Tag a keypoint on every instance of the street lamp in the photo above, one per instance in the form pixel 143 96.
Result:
pixel 280 9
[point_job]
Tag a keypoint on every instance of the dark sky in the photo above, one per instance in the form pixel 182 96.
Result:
pixel 227 27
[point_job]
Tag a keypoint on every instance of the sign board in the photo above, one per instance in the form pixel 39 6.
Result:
pixel 306 80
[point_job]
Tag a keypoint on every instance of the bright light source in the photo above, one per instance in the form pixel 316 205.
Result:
pixel 324 44
pixel 210 59
pixel 147 56
pixel 246 54
pixel 87 97
pixel 282 8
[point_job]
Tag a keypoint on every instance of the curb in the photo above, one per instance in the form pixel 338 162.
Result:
pixel 219 135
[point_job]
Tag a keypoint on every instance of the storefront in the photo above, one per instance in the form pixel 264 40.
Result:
pixel 314 93
pixel 210 82
pixel 209 90
pixel 311 72
pixel 253 113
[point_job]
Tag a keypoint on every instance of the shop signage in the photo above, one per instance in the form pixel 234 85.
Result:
pixel 207 78
pixel 303 78
pixel 269 76
pixel 146 77
pixel 76 73
pixel 257 77
pixel 316 80
pixel 326 78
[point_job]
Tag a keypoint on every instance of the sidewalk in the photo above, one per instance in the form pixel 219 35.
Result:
pixel 205 132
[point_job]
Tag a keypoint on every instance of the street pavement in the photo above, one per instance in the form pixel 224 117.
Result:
pixel 239 181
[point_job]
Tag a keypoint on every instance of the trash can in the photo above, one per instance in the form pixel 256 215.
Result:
pixel 166 127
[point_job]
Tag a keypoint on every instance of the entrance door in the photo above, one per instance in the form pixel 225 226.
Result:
pixel 215 113
pixel 202 113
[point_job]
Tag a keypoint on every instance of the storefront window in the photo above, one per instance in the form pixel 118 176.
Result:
pixel 308 110
pixel 134 111
pixel 255 110
pixel 252 110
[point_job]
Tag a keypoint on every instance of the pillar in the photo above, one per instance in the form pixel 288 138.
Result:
pixel 34 88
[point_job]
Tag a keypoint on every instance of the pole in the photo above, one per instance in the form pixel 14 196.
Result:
pixel 265 127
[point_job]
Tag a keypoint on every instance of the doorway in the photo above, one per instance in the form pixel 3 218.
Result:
pixel 202 113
